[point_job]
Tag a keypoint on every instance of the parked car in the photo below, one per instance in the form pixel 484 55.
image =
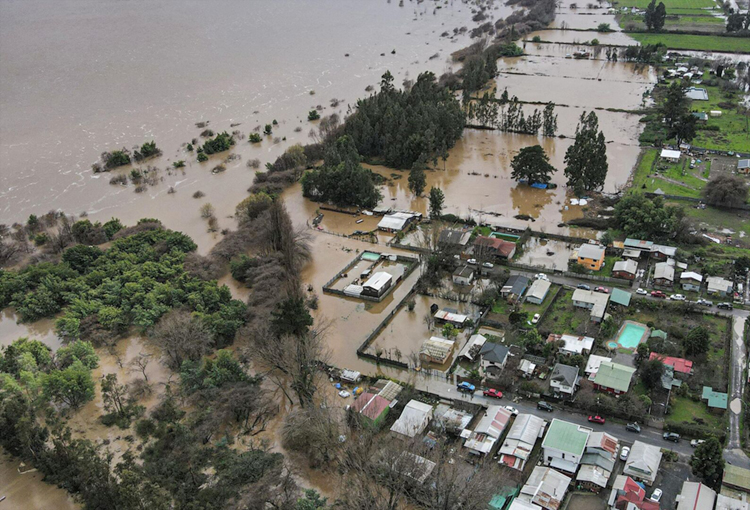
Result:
pixel 597 419
pixel 488 265
pixel 344 394
pixel 658 294
pixel 536 318
pixel 541 276
pixel 633 427
pixel 725 306
pixel 656 495
pixel 641 292
pixel 466 387
pixel 583 286
pixel 472 262
pixel 624 453
pixel 704 302
pixel 603 290
pixel 671 436
pixel 544 406
pixel 512 410
pixel 695 442
pixel 492 392
pixel 677 297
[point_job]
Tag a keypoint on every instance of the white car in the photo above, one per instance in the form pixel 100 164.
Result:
pixel 512 410
pixel 695 442
pixel 624 453
pixel 536 318
pixel 344 394
pixel 656 495
pixel 488 265
pixel 541 276
pixel 472 262
pixel 641 292
pixel 677 297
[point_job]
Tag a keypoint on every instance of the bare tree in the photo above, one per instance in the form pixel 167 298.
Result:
pixel 181 337
pixel 313 431
pixel 139 364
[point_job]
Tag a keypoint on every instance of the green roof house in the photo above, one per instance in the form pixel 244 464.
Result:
pixel 564 445
pixel 613 378
pixel 502 499
pixel 620 297
pixel 717 401
pixel 657 333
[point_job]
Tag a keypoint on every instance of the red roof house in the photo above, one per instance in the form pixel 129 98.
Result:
pixel 630 493
pixel 372 407
pixel 498 247
pixel 683 366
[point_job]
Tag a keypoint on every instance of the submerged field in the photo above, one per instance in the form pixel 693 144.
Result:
pixel 696 42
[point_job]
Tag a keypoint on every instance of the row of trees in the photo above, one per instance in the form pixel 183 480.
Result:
pixel 655 16
pixel 511 118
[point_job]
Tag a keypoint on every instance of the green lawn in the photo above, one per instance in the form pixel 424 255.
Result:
pixel 563 317
pixel 532 308
pixel 733 131
pixel 685 410
pixel 676 21
pixel 669 4
pixel 696 42
pixel 645 176
pixel 717 219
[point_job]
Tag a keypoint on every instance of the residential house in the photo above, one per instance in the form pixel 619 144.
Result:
pixel 662 252
pixel 613 378
pixel 564 445
pixel 413 420
pixel 463 275
pixel 514 288
pixel 451 420
pixel 628 495
pixel 520 441
pixel 372 408
pixel 670 155
pixel 724 502
pixel 563 380
pixel 598 461
pixel 470 351
pixel 634 248
pixel 572 344
pixel 482 439
pixel 718 285
pixel 454 239
pixel 487 248
pixel 591 256
pixel 450 316
pixel 538 291
pixel 626 269
pixel 436 350
pixel 493 358
pixel 592 365
pixel 594 301
pixel 413 466
pixel 545 487
pixel 663 274
pixel 695 495
pixel 377 285
pixel 735 482
pixel 743 166
pixel 716 400
pixel 690 280
pixel 620 297
pixel 643 462
pixel 397 222
pixel 680 365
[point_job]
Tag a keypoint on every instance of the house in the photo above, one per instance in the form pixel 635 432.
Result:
pixel 493 358
pixel 520 441
pixel 628 495
pixel 621 297
pixel 724 502
pixel 413 466
pixel 538 291
pixel 626 269
pixel 717 401
pixel 373 408
pixel 736 482
pixel 680 365
pixel 563 380
pixel 670 155
pixel 482 439
pixel 514 288
pixel 564 445
pixel 436 350
pixel 695 495
pixel 470 351
pixel 598 461
pixel 643 462
pixel 743 166
pixel 397 221
pixel 613 378
pixel 592 365
pixel 377 285
pixel 451 420
pixel 697 94
pixel 545 487
pixel 663 274
pixel 690 280
pixel 487 248
pixel 413 420
pixel 450 316
pixel 718 285
pixel 591 256
pixel 593 478
pixel 572 344
pixel 456 239
pixel 463 275
pixel 637 245
pixel 594 301
pixel 662 252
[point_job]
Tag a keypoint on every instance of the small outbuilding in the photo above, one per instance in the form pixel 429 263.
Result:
pixel 670 155
pixel 463 275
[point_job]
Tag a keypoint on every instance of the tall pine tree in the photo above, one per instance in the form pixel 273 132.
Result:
pixel 586 160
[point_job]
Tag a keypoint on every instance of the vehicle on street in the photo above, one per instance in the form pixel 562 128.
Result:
pixel 656 495
pixel 344 394
pixel 541 276
pixel 671 436
pixel 466 387
pixel 472 262
pixel 641 292
pixel 725 306
pixel 544 406
pixel 492 392
pixel 583 286
pixel 536 318
pixel 597 419
pixel 704 302
pixel 677 297
pixel 624 453
pixel 658 294
pixel 633 427
pixel 488 265
pixel 512 410
pixel 603 290
pixel 695 442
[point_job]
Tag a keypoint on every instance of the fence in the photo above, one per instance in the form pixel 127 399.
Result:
pixel 411 265
pixel 743 207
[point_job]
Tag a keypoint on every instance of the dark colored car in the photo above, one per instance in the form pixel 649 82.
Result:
pixel 544 406
pixel 597 419
pixel 633 427
pixel 671 436
pixel 465 387
pixel 492 392
pixel 583 286
pixel 725 306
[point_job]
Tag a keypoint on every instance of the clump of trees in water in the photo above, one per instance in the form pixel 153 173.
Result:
pixel 222 142
pixel 110 160
pixel 507 115
pixel 147 150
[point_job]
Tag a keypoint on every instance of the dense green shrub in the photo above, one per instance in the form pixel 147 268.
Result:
pixel 222 142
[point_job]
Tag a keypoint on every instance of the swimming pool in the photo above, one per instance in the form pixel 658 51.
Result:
pixel 631 335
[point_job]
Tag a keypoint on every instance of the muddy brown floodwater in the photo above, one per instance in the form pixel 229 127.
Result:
pixel 27 491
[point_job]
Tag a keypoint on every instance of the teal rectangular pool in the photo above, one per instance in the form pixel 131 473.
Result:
pixel 631 335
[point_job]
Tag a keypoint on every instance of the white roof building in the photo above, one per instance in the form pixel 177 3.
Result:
pixel 643 462
pixel 592 365
pixel 690 275
pixel 664 271
pixel 670 154
pixel 413 420
pixel 378 281
pixel 627 266
pixel 545 487
pixel 538 291
pixel 522 436
pixel 695 495
pixel 470 351
pixel 717 284
pixel 697 94
pixel 396 221
pixel 726 503
pixel 590 251
pixel 573 344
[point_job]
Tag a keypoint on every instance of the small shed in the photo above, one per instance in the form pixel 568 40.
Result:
pixel 743 166
pixel 670 155
pixel 463 275
pixel 538 291
pixel 621 297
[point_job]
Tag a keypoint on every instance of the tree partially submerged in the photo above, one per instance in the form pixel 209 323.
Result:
pixel 586 160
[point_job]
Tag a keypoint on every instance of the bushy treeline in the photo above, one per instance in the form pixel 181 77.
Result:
pixel 400 126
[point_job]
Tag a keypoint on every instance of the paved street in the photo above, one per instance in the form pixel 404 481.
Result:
pixel 733 452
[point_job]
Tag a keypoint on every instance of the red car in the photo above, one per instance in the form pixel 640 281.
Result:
pixel 597 419
pixel 658 293
pixel 492 393
pixel 604 290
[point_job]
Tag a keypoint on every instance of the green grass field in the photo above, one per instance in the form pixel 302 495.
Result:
pixel 644 179
pixel 680 22
pixel 733 131
pixel 696 42
pixel 716 219
pixel 687 411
